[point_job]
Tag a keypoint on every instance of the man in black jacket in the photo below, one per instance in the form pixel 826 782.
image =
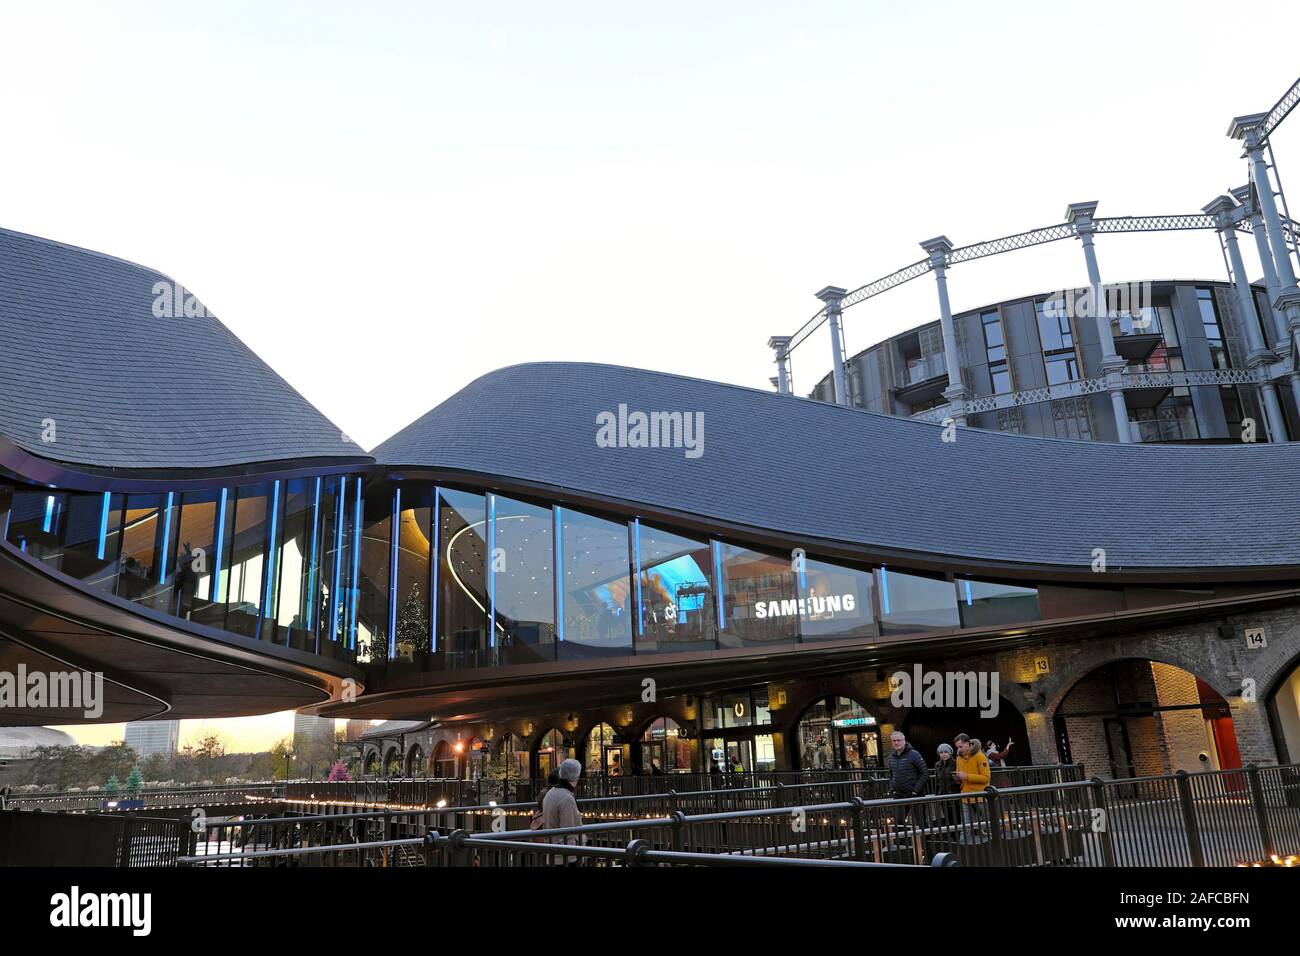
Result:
pixel 908 774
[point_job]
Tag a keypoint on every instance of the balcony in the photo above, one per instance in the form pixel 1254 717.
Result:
pixel 924 379
pixel 1135 338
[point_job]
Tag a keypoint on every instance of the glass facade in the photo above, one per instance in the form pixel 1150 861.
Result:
pixel 413 576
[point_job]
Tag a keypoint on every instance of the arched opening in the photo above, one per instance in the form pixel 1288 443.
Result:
pixel 371 765
pixel 664 748
pixel 473 756
pixel 513 751
pixel 392 762
pixel 928 727
pixel 837 733
pixel 444 761
pixel 600 754
pixel 1137 718
pixel 415 761
pixel 552 750
pixel 1284 706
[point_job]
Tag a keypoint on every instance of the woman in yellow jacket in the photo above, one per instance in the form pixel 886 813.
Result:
pixel 973 775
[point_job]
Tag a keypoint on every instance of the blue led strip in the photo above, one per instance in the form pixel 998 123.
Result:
pixel 636 566
pixel 559 573
pixel 311 574
pixel 339 515
pixel 884 590
pixel 216 561
pixel 166 538
pixel 395 529
pixel 492 569
pixel 717 583
pixel 270 553
pixel 434 571
pixel 103 527
pixel 49 514
pixel 356 566
pixel 966 588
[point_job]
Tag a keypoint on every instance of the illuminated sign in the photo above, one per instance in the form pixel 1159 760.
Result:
pixel 827 604
pixel 867 721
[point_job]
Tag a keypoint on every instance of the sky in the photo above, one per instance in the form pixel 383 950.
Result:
pixel 385 201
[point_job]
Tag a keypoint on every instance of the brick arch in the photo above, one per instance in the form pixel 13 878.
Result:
pixel 1059 684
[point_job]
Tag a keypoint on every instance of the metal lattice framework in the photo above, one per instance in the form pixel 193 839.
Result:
pixel 1021 240
pixel 1154 223
pixel 1280 110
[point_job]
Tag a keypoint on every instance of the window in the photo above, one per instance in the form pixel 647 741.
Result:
pixel 602 753
pixel 522 580
pixel 910 602
pixel 743 709
pixel 664 748
pixel 995 349
pixel 594 586
pixel 837 733
pixel 836 602
pixel 412 630
pixel 985 604
pixel 1059 358
pixel 462 579
pixel 675 591
pixel 1213 330
pixel 760 598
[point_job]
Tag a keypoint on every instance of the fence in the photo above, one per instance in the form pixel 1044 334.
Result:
pixel 40 838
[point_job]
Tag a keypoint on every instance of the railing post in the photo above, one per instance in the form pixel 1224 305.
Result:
pixel 679 821
pixel 1098 787
pixel 1261 809
pixel 128 832
pixel 996 842
pixel 457 852
pixel 1184 784
pixel 859 836
pixel 780 794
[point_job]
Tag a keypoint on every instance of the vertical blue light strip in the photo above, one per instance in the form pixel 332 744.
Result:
pixel 339 514
pixel 966 588
pixel 221 540
pixel 636 565
pixel 884 589
pixel 434 571
pixel 49 514
pixel 103 526
pixel 559 573
pixel 717 583
pixel 356 570
pixel 270 551
pixel 492 569
pixel 394 530
pixel 311 575
pixel 164 561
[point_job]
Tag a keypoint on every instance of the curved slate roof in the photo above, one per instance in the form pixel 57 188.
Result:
pixel 82 346
pixel 805 468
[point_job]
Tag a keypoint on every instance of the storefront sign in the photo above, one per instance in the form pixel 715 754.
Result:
pixel 803 607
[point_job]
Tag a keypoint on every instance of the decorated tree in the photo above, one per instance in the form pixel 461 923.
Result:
pixel 413 624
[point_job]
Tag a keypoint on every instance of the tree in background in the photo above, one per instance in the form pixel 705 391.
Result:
pixel 282 758
pixel 339 772
pixel 112 788
pixel 134 782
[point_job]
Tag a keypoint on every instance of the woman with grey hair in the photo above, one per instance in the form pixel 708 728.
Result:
pixel 560 808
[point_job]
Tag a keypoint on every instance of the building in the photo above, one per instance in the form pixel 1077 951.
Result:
pixel 17 745
pixel 658 573
pixel 148 737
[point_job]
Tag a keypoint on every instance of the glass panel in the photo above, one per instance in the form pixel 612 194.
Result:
pixel 523 581
pixel 195 553
pixel 374 582
pixel 35 520
pixel 678 609
pixel 144 577
pixel 837 602
pixel 462 582
pixel 91 537
pixel 986 604
pixel 838 733
pixel 595 587
pixel 1054 325
pixel 664 749
pixel 909 602
pixel 241 587
pixel 289 605
pixel 414 634
pixel 602 755
pixel 1061 368
pixel 760 599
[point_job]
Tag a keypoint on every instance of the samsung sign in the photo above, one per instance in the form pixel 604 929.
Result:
pixel 802 607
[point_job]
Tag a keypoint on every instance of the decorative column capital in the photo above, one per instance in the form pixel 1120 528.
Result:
pixel 1223 210
pixel 1288 301
pixel 1080 215
pixel 938 249
pixel 1247 129
pixel 779 343
pixel 831 295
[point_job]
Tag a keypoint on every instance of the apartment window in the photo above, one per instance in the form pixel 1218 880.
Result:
pixel 1060 361
pixel 995 347
pixel 1213 330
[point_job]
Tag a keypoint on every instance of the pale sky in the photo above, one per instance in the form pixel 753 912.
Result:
pixel 388 200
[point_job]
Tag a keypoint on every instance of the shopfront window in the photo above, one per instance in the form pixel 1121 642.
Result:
pixel 664 748
pixel 413 633
pixel 746 708
pixel 145 576
pixel 910 602
pixel 240 585
pixel 677 606
pixel 552 750
pixel 522 581
pixel 836 602
pixel 760 598
pixel 514 752
pixel 986 604
pixel 595 587
pixel 838 733
pixel 374 582
pixel 462 580
pixel 601 754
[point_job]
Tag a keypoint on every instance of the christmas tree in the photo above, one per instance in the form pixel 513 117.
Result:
pixel 112 787
pixel 413 624
pixel 134 781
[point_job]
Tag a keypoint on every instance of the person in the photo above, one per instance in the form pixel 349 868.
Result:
pixel 560 808
pixel 908 773
pixel 998 758
pixel 552 779
pixel 973 774
pixel 942 782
